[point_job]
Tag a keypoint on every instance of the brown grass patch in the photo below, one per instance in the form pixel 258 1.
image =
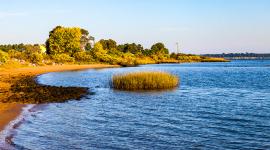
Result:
pixel 144 81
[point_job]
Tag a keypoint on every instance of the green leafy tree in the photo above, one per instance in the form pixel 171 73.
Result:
pixel 85 38
pixel 64 40
pixel 32 49
pixel 108 44
pixel 33 54
pixel 98 51
pixel 88 47
pixel 159 48
pixel 101 55
pixel 131 48
pixel 147 52
pixel 173 55
pixel 17 47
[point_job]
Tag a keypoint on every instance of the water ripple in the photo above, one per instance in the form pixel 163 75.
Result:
pixel 217 106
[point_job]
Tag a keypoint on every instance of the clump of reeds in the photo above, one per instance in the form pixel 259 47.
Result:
pixel 144 81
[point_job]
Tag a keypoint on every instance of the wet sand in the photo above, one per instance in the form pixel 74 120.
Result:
pixel 8 77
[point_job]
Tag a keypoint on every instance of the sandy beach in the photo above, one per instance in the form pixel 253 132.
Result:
pixel 9 111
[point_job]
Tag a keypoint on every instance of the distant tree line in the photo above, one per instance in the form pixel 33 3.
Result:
pixel 240 55
pixel 18 47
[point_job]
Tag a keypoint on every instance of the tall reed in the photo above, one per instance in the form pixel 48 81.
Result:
pixel 144 81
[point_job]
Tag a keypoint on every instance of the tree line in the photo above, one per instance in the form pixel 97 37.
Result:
pixel 75 45
pixel 240 55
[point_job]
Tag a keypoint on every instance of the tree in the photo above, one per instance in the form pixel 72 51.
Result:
pixel 131 48
pixel 159 48
pixel 88 47
pixel 173 55
pixel 32 53
pixel 17 47
pixel 64 40
pixel 108 44
pixel 85 40
pixel 98 52
pixel 147 52
pixel 101 55
pixel 32 49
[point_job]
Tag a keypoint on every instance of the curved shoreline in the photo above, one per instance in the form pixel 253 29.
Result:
pixel 9 77
pixel 7 134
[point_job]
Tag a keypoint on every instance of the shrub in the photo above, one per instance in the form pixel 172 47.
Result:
pixel 35 58
pixel 3 57
pixel 83 57
pixel 31 54
pixel 100 54
pixel 144 81
pixel 62 58
pixel 127 59
pixel 144 60
pixel 16 54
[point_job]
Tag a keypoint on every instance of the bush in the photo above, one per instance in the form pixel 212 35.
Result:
pixel 63 58
pixel 3 57
pixel 144 60
pixel 83 57
pixel 35 58
pixel 144 81
pixel 100 54
pixel 16 54
pixel 128 59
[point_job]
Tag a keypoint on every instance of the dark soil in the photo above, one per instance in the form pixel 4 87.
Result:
pixel 27 91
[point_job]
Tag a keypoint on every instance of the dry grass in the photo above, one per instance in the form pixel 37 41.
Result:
pixel 213 59
pixel 144 81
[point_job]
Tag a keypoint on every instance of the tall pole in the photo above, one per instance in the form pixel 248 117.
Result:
pixel 177 47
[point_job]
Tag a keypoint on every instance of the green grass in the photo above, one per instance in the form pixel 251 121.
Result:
pixel 144 81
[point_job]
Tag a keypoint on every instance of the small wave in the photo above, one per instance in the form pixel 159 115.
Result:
pixel 8 133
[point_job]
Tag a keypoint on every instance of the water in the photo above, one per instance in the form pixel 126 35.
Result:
pixel 216 106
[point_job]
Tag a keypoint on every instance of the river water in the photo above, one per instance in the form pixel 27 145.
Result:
pixel 216 106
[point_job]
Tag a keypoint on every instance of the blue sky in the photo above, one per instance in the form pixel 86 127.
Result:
pixel 200 26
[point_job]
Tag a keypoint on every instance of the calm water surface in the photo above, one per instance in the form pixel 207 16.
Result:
pixel 217 106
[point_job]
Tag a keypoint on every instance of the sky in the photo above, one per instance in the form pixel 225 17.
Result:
pixel 199 26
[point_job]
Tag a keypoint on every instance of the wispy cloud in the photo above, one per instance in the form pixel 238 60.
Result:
pixel 12 14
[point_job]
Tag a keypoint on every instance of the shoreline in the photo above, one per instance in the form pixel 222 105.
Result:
pixel 8 77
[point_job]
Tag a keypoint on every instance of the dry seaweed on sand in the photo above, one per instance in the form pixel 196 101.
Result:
pixel 27 91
